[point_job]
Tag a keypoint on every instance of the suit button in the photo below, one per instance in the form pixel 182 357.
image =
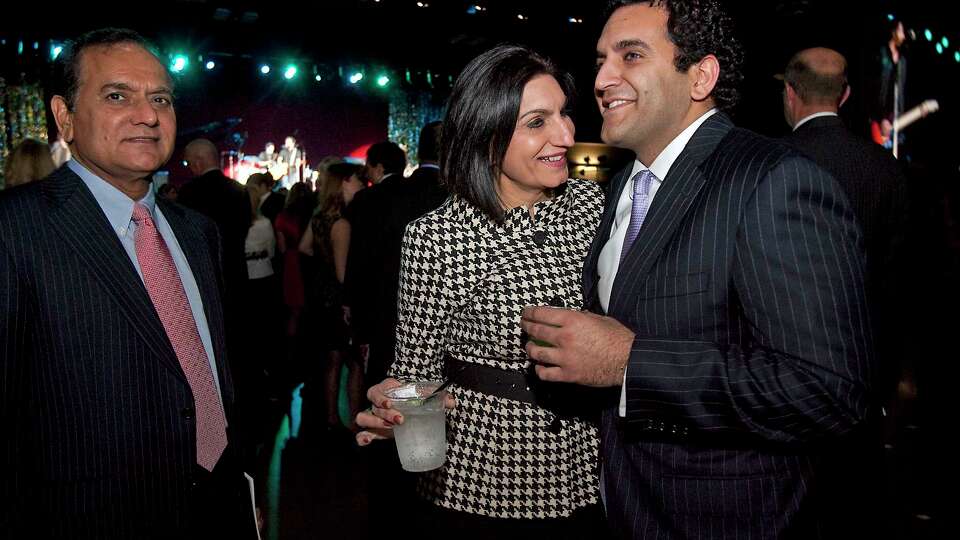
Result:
pixel 540 238
pixel 187 413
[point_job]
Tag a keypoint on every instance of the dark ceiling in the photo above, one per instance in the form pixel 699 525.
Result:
pixel 443 36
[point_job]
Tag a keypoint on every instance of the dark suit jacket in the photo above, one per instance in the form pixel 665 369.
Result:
pixel 379 217
pixel 99 435
pixel 745 291
pixel 876 187
pixel 224 201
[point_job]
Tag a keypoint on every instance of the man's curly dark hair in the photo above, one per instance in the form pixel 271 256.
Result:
pixel 698 28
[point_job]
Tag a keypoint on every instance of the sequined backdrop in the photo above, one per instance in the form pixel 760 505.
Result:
pixel 22 114
pixel 410 109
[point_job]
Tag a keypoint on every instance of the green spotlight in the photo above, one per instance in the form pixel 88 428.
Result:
pixel 264 69
pixel 945 42
pixel 55 50
pixel 928 34
pixel 956 56
pixel 179 63
pixel 356 77
pixel 383 81
pixel 939 48
pixel 290 72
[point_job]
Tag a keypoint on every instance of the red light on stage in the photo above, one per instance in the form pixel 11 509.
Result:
pixel 360 152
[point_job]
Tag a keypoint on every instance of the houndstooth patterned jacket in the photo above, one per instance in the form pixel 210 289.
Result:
pixel 463 283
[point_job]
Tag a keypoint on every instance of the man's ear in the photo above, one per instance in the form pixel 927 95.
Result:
pixel 846 96
pixel 63 116
pixel 704 75
pixel 790 93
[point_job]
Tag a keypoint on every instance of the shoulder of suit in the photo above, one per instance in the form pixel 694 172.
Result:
pixel 748 144
pixel 19 201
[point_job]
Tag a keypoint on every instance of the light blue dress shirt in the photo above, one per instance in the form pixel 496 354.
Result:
pixel 118 209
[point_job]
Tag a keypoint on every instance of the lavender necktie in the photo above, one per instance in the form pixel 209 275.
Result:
pixel 638 211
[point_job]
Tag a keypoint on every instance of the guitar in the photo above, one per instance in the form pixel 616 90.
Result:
pixel 881 134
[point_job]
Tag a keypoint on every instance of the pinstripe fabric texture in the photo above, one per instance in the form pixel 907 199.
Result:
pixel 97 412
pixel 745 291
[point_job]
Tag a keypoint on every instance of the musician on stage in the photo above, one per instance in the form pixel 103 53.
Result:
pixel 269 155
pixel 893 77
pixel 291 156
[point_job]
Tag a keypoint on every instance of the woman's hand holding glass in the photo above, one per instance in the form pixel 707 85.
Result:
pixel 378 421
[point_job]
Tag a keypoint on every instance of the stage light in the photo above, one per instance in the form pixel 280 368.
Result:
pixel 317 78
pixel 179 63
pixel 521 16
pixel 356 77
pixel 928 34
pixel 264 69
pixel 211 64
pixel 429 78
pixel 939 48
pixel 20 47
pixel 423 4
pixel 889 16
pixel 956 56
pixel 575 20
pixel 290 72
pixel 474 9
pixel 55 50
pixel 383 81
pixel 945 42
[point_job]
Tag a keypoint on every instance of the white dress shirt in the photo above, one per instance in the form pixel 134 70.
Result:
pixel 811 117
pixel 609 261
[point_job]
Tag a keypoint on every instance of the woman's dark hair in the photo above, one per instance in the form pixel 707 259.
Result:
pixel 300 202
pixel 698 28
pixel 66 75
pixel 481 118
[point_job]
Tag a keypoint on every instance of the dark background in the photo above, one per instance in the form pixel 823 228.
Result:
pixel 397 37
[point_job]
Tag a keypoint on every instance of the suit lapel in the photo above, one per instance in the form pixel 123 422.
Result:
pixel 78 219
pixel 590 276
pixel 676 194
pixel 192 242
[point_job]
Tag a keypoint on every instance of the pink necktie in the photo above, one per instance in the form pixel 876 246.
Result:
pixel 166 291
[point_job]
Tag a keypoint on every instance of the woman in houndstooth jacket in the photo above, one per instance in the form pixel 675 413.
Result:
pixel 522 455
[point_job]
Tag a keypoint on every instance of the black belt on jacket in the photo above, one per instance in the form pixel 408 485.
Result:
pixel 507 384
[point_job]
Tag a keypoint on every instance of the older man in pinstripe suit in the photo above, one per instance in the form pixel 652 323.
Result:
pixel 115 397
pixel 726 282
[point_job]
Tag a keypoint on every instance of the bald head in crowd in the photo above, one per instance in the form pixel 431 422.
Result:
pixel 202 156
pixel 815 81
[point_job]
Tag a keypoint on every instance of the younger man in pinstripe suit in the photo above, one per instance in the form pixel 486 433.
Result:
pixel 726 286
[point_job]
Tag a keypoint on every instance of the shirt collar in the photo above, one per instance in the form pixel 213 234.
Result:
pixel 812 116
pixel 114 203
pixel 661 165
pixel 428 166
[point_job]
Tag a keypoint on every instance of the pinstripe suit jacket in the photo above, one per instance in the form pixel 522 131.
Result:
pixel 745 291
pixel 97 413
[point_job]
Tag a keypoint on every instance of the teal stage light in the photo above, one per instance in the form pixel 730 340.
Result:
pixel 179 63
